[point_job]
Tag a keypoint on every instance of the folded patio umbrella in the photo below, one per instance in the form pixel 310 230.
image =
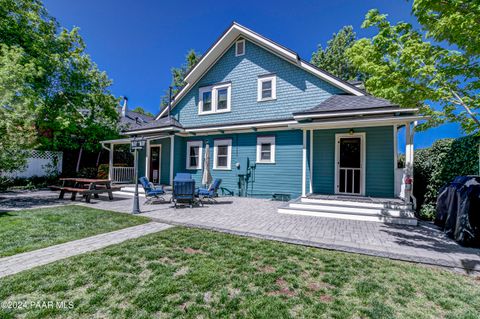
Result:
pixel 206 177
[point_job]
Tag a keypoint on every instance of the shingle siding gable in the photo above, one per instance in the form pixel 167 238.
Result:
pixel 297 90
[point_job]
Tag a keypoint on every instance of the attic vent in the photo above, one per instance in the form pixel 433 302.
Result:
pixel 240 47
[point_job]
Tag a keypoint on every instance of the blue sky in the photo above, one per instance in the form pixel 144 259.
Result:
pixel 137 42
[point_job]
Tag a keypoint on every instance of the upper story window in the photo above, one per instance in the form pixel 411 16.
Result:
pixel 194 154
pixel 240 47
pixel 266 149
pixel 215 99
pixel 267 88
pixel 222 154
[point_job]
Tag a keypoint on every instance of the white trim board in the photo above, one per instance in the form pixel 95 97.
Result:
pixel 147 164
pixel 363 162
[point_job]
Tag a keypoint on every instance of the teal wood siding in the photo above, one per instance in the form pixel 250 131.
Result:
pixel 165 159
pixel 297 89
pixel 285 176
pixel 379 157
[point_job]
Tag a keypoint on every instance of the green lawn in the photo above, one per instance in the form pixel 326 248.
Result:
pixel 201 274
pixel 37 228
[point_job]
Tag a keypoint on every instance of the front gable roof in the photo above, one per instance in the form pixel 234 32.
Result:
pixel 216 51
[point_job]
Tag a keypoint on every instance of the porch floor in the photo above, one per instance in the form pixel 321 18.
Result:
pixel 363 199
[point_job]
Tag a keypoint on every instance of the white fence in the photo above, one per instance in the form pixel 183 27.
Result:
pixel 40 163
pixel 123 174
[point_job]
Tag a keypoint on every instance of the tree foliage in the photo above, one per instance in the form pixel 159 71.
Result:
pixel 141 110
pixel 441 163
pixel 57 90
pixel 405 67
pixel 333 58
pixel 179 73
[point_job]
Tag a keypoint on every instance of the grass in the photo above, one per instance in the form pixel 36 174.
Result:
pixel 27 230
pixel 194 273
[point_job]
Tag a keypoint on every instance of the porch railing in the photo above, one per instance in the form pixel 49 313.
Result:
pixel 123 174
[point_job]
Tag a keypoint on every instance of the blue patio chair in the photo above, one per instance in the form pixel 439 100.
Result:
pixel 210 192
pixel 151 192
pixel 183 192
pixel 183 176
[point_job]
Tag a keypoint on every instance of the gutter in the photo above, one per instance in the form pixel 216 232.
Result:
pixel 302 116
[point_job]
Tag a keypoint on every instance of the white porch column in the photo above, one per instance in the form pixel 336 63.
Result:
pixel 408 148
pixel 311 161
pixel 110 162
pixel 304 164
pixel 172 149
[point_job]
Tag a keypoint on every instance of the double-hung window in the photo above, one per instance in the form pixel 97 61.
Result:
pixel 267 88
pixel 215 99
pixel 266 149
pixel 222 154
pixel 194 154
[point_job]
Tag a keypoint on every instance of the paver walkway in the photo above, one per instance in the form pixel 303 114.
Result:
pixel 20 262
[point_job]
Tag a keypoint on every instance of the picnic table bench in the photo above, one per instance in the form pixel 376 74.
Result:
pixel 86 187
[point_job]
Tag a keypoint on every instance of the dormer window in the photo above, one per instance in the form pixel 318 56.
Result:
pixel 215 99
pixel 267 88
pixel 240 47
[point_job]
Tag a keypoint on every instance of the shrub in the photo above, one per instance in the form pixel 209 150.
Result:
pixel 439 164
pixel 103 171
pixel 88 172
pixel 34 182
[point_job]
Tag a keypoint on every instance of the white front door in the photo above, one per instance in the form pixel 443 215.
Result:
pixel 350 167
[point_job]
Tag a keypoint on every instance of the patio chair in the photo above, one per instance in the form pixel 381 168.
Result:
pixel 151 192
pixel 184 190
pixel 211 192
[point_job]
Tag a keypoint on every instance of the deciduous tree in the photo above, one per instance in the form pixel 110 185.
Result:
pixel 411 68
pixel 334 59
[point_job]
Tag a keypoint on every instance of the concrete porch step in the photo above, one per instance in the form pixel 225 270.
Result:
pixel 336 208
pixel 393 204
pixel 347 210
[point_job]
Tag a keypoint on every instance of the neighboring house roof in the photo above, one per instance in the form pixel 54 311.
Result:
pixel 225 41
pixel 163 122
pixel 339 103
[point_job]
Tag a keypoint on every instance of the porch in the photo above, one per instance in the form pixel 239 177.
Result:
pixel 358 162
pixel 155 161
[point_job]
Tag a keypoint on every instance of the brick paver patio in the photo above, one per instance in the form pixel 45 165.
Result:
pixel 259 218
pixel 20 262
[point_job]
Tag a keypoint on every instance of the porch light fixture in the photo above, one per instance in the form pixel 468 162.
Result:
pixel 351 131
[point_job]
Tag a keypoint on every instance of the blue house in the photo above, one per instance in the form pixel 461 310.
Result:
pixel 275 124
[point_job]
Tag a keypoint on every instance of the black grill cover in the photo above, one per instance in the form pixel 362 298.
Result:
pixel 458 210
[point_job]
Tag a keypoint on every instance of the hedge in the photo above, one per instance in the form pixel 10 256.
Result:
pixel 439 164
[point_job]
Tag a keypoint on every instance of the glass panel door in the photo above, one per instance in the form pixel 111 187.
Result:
pixel 154 164
pixel 349 175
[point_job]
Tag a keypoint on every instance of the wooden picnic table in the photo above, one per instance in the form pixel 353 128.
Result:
pixel 86 187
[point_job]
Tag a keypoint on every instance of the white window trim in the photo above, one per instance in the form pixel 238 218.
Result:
pixel 265 139
pixel 200 100
pixel 222 142
pixel 262 79
pixel 214 89
pixel 236 47
pixel 200 154
pixel 363 146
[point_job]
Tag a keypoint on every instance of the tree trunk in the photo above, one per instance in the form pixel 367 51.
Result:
pixel 79 159
pixel 98 157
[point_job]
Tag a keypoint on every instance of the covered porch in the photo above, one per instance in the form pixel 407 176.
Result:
pixel 155 161
pixel 359 161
